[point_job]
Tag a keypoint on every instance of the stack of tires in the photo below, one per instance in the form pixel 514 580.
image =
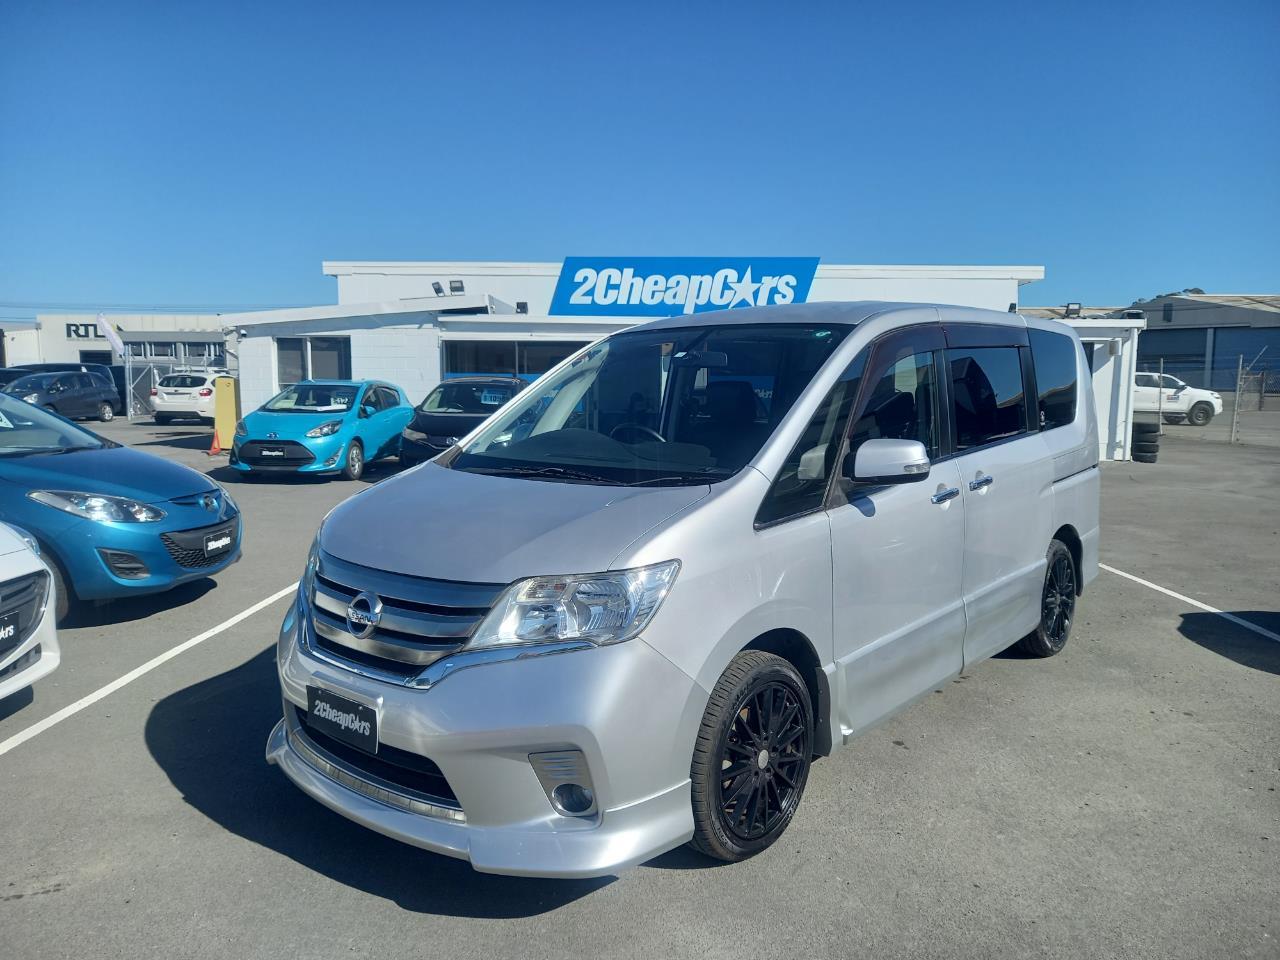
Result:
pixel 1146 442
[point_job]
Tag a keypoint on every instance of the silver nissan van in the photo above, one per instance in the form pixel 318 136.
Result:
pixel 631 608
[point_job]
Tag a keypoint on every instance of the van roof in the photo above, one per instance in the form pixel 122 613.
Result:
pixel 848 313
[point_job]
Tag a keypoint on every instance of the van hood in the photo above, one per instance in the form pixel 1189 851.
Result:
pixel 112 471
pixel 449 525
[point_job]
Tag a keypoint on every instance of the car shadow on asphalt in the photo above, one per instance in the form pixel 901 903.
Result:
pixel 97 613
pixel 209 739
pixel 1234 642
pixel 195 437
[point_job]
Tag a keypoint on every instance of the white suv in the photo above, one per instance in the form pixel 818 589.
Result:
pixel 28 642
pixel 1181 402
pixel 186 396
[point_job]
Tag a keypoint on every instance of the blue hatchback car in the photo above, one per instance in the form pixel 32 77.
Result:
pixel 112 521
pixel 322 426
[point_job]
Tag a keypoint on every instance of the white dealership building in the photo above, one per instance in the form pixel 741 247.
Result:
pixel 416 323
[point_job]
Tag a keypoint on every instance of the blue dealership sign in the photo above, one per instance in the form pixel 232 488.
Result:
pixel 665 286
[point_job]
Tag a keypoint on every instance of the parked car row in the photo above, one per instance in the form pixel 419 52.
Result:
pixel 336 427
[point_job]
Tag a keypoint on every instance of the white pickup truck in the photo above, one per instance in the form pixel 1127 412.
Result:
pixel 1180 402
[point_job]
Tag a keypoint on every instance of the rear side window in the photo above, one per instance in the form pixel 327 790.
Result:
pixel 1054 358
pixel 801 485
pixel 988 395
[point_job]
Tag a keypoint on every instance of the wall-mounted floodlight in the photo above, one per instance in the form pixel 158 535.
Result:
pixel 522 306
pixel 438 287
pixel 1073 310
pixel 1013 308
pixel 456 287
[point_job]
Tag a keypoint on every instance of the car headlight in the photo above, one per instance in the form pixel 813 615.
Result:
pixel 325 429
pixel 241 429
pixel 95 506
pixel 600 607
pixel 26 537
pixel 31 397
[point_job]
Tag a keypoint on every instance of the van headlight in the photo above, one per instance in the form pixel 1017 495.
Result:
pixel 95 506
pixel 598 607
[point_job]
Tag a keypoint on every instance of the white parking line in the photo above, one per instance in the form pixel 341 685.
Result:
pixel 71 710
pixel 1238 621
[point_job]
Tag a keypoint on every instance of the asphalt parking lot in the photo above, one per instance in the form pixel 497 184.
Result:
pixel 1120 800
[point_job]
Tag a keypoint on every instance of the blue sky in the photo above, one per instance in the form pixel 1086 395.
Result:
pixel 181 154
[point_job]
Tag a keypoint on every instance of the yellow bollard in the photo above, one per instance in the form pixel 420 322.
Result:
pixel 226 413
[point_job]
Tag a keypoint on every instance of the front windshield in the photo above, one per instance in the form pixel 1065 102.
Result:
pixel 34 381
pixel 26 430
pixel 465 397
pixel 313 398
pixel 659 407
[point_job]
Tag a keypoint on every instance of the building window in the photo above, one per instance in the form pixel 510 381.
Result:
pixel 312 358
pixel 162 349
pixel 529 360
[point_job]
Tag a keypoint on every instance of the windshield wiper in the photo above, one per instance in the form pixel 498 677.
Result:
pixel 563 473
pixel 681 480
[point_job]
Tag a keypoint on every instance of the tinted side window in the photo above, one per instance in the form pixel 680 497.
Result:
pixel 389 398
pixel 987 395
pixel 902 403
pixel 801 485
pixel 1054 357
pixel 1145 380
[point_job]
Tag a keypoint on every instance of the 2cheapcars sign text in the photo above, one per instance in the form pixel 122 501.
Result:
pixel 662 286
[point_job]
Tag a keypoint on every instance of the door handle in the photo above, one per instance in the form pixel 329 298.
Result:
pixel 942 496
pixel 981 482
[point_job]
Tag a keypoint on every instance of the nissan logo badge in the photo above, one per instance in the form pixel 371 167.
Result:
pixel 363 613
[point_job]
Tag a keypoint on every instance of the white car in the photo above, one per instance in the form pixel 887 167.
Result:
pixel 28 641
pixel 186 396
pixel 1181 402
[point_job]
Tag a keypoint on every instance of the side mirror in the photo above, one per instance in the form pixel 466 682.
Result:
pixel 888 461
pixel 366 411
pixel 813 464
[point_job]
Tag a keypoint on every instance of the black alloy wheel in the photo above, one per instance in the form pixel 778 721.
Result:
pixel 751 761
pixel 1057 604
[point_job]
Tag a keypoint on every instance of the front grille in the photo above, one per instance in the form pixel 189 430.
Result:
pixel 407 773
pixel 187 546
pixel 22 599
pixel 292 453
pixel 422 620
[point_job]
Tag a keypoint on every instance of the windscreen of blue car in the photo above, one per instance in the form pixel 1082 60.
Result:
pixel 662 407
pixel 313 398
pixel 26 430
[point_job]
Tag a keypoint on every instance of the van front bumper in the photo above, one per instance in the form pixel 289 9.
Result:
pixel 631 712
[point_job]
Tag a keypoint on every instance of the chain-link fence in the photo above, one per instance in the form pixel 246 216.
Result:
pixel 142 377
pixel 1250 413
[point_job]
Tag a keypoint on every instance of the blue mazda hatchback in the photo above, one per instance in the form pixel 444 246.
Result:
pixel 111 521
pixel 322 426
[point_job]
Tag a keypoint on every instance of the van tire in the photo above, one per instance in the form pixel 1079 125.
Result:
pixel 1061 587
pixel 750 675
pixel 1200 414
pixel 353 465
pixel 1144 457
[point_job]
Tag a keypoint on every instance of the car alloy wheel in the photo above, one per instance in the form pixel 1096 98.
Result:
pixel 763 761
pixel 355 462
pixel 105 413
pixel 751 757
pixel 1059 601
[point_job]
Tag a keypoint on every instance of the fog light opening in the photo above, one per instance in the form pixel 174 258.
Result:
pixel 331 461
pixel 567 782
pixel 572 799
